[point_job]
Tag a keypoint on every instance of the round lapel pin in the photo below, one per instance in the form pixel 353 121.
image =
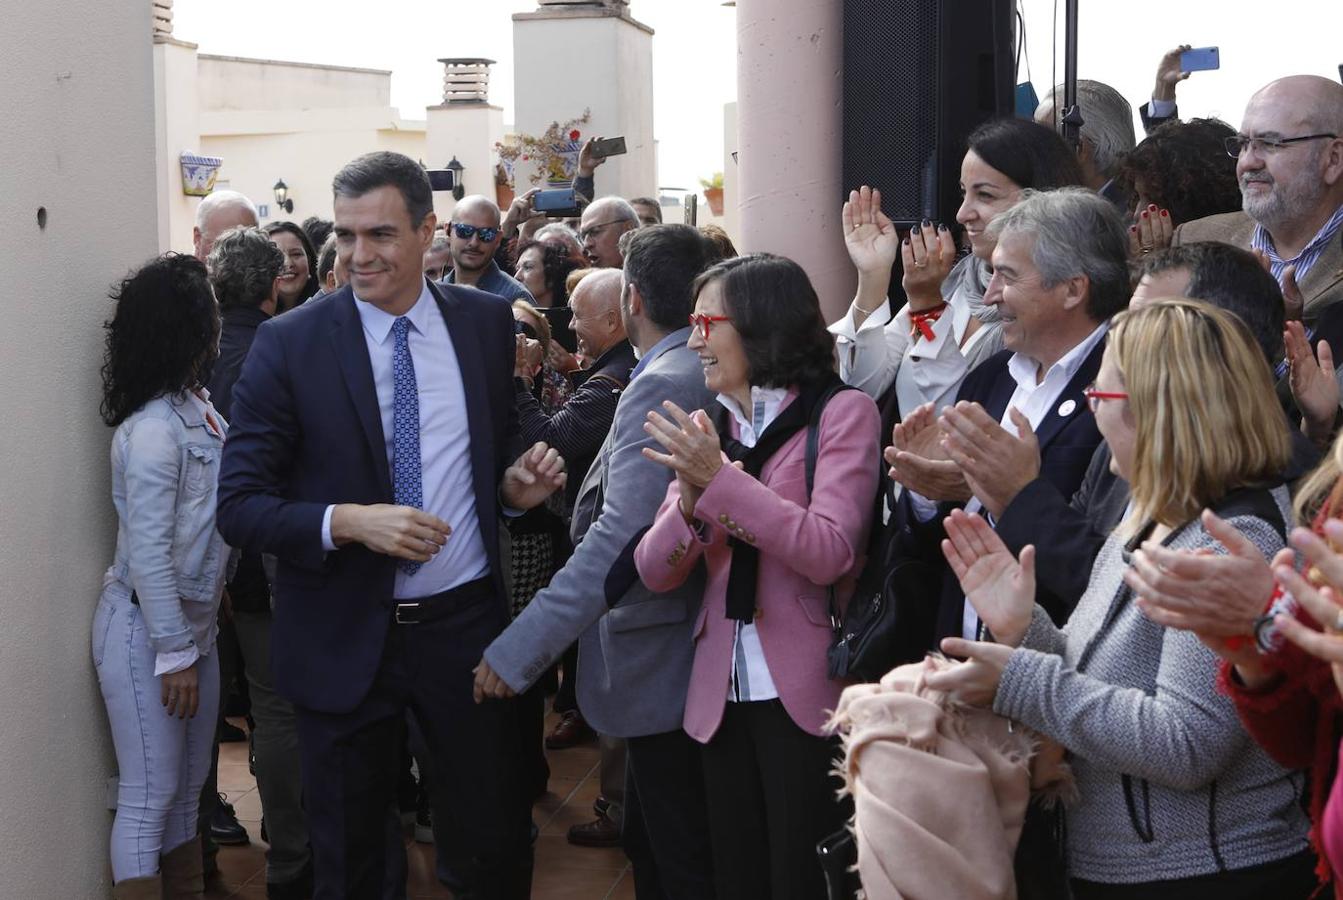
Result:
pixel 1066 407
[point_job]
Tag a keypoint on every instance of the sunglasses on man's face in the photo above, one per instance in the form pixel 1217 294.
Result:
pixel 466 232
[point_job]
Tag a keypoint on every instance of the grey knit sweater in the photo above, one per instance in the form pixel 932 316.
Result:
pixel 1170 785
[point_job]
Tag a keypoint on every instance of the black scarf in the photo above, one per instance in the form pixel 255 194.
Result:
pixel 742 578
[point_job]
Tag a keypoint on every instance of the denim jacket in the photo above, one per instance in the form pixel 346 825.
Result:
pixel 165 472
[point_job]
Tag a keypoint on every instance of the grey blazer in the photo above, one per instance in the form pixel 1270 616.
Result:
pixel 635 646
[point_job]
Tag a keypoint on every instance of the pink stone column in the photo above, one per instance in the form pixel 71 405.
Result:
pixel 790 137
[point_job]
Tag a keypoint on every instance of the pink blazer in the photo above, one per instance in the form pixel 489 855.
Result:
pixel 803 548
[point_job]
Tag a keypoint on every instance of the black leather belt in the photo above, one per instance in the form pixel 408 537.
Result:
pixel 436 606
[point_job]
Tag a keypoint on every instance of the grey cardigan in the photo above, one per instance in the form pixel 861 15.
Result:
pixel 1170 784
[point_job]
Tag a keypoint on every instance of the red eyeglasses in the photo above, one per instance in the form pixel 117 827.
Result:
pixel 1094 397
pixel 702 322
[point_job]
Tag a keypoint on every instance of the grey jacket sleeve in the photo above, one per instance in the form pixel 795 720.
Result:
pixel 1180 737
pixel 575 597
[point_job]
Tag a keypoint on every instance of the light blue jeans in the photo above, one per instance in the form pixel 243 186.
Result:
pixel 163 760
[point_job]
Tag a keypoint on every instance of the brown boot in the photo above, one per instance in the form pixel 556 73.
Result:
pixel 183 872
pixel 149 887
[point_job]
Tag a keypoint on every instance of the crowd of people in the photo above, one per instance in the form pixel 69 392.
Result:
pixel 399 481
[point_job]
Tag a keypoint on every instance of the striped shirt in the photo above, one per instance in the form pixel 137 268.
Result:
pixel 1304 261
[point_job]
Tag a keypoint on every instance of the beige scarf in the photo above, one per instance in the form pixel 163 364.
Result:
pixel 940 789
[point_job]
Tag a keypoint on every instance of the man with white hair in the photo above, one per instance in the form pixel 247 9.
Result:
pixel 217 213
pixel 1289 159
pixel 1107 134
pixel 604 221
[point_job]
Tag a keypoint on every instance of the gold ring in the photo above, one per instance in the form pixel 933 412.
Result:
pixel 920 265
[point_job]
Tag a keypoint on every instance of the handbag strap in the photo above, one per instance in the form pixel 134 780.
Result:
pixel 813 450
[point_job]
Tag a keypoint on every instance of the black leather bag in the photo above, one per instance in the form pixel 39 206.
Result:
pixel 885 624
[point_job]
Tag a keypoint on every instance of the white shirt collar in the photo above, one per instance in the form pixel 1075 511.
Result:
pixel 766 403
pixel 1023 369
pixel 378 323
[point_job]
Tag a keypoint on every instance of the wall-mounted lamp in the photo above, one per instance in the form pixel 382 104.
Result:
pixel 458 188
pixel 282 196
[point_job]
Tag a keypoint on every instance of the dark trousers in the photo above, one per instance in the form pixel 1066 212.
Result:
pixel 666 828
pixel 566 697
pixel 1292 878
pixel 771 798
pixel 350 761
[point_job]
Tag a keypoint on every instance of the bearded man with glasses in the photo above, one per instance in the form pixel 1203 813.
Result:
pixel 473 239
pixel 1289 160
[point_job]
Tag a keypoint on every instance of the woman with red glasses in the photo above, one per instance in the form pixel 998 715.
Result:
pixel 780 547
pixel 1175 800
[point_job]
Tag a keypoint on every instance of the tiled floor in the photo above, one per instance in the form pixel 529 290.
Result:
pixel 563 871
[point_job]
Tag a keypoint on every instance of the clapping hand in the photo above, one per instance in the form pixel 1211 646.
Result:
pixel 692 449
pixel 999 587
pixel 975 681
pixel 536 475
pixel 1152 230
pixel 996 463
pixel 920 462
pixel 1313 382
pixel 1319 596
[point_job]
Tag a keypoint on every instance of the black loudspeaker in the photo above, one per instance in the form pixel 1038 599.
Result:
pixel 919 75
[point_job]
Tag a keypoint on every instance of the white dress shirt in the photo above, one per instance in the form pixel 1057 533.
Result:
pixel 751 680
pixel 880 351
pixel 445 442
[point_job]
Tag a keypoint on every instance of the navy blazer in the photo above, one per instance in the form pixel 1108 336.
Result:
pixel 1068 438
pixel 306 432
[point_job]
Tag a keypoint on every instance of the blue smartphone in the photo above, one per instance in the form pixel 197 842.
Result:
pixel 1200 59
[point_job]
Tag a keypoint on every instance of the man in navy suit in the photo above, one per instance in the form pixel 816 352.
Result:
pixel 369 451
pixel 1060 272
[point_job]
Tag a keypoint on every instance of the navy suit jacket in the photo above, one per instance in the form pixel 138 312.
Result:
pixel 306 432
pixel 1067 443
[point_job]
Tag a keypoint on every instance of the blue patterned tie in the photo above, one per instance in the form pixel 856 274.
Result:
pixel 407 489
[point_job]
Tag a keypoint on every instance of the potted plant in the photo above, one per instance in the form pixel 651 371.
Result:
pixel 713 192
pixel 552 155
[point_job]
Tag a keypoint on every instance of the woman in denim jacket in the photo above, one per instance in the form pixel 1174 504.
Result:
pixel 154 628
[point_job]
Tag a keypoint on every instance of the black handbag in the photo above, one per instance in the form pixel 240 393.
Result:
pixel 838 854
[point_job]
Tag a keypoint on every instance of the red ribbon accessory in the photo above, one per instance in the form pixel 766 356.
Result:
pixel 921 323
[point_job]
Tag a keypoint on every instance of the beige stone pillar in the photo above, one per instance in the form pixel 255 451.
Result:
pixel 78 196
pixel 176 130
pixel 789 138
pixel 465 126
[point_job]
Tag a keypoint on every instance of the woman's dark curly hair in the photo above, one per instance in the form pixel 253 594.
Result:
pixel 164 336
pixel 776 312
pixel 310 287
pixel 557 261
pixel 1184 169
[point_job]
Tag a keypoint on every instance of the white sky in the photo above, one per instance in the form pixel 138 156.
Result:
pixel 694 51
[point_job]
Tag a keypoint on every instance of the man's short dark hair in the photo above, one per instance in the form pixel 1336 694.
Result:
pixel 774 308
pixel 1232 279
pixel 648 201
pixel 383 168
pixel 663 261
pixel 243 267
pixel 317 229
pixel 326 260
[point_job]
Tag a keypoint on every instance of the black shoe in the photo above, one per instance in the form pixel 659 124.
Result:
pixel 225 829
pixel 251 755
pixel 230 733
pixel 298 889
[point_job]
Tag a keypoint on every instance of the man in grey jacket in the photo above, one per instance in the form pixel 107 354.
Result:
pixel 635 646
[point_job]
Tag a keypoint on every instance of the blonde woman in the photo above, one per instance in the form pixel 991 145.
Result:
pixel 1175 799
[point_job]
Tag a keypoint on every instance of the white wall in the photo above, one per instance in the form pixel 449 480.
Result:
pixel 566 60
pixel 467 131
pixel 78 140
pixel 177 129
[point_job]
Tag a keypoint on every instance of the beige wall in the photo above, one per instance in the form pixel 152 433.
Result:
pixel 177 129
pixel 230 82
pixel 467 131
pixel 79 141
pixel 565 60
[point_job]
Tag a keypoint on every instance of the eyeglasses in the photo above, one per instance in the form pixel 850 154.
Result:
pixel 1236 144
pixel 1094 397
pixel 466 232
pixel 591 230
pixel 702 322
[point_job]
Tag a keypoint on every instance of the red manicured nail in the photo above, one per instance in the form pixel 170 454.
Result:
pixel 1165 214
pixel 1144 213
pixel 1133 228
pixel 1152 207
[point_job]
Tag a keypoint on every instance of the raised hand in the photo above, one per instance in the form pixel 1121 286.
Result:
pixel 920 462
pixel 928 255
pixel 588 161
pixel 1169 74
pixel 1000 588
pixel 869 236
pixel 1151 231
